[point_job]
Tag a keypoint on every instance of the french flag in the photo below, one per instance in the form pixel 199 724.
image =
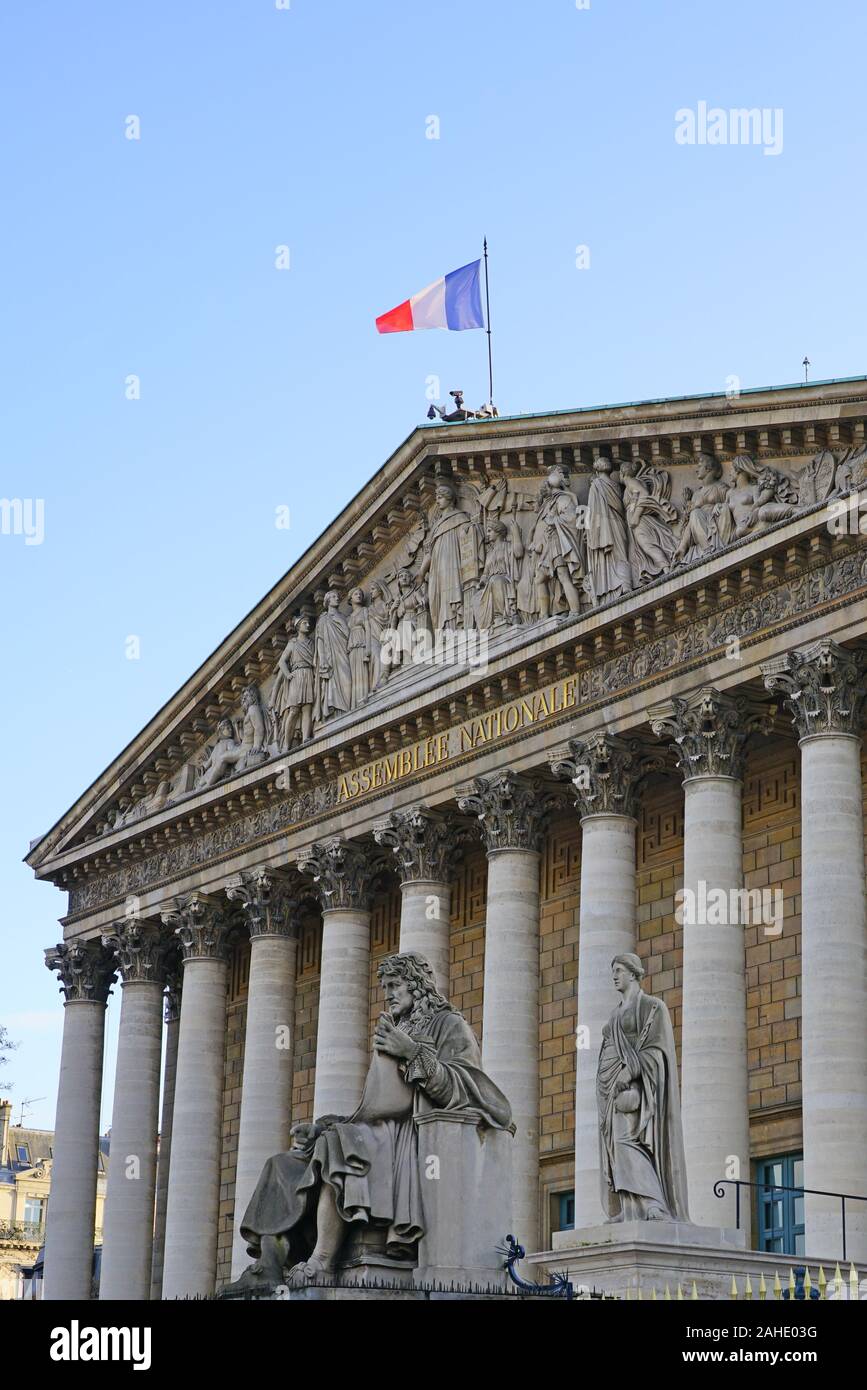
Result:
pixel 454 302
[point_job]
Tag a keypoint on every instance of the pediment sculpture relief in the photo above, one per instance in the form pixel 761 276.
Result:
pixel 491 555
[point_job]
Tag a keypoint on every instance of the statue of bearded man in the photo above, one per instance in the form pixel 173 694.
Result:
pixel 366 1168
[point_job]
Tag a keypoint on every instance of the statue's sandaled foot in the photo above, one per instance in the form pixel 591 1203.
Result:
pixel 308 1271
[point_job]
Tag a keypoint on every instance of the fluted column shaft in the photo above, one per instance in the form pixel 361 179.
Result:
pixel 129 1203
pixel 190 1260
pixel 834 983
pixel 607 928
pixel 513 812
pixel 824 688
pixel 510 1026
pixel 342 1049
pixel 85 973
pixel 425 845
pixel 715 1096
pixel 709 732
pixel 170 1071
pixel 342 875
pixel 605 771
pixel 269 1045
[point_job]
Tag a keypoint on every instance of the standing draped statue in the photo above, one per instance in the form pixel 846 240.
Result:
pixel 294 690
pixel 367 1169
pixel 359 648
pixel 554 566
pixel 501 571
pixel 333 674
pixel 451 562
pixel 643 1169
pixel 610 572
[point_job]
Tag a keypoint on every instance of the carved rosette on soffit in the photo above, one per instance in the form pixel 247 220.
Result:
pixel 426 844
pixel 822 686
pixel 512 810
pixel 85 968
pixel 269 900
pixel 708 730
pixel 140 949
pixel 606 772
pixel 202 925
pixel 344 873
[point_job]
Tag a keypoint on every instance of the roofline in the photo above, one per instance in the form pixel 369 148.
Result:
pixel 665 400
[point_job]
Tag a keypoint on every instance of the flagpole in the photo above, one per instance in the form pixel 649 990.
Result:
pixel 490 353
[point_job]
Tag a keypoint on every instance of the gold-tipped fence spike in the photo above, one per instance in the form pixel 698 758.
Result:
pixel 763 1288
pixel 792 1284
pixel 748 1290
pixel 694 1294
pixel 778 1288
pixel 733 1291
pixel 837 1282
pixel 653 1295
pixel 808 1283
pixel 667 1294
pixel 679 1293
pixel 640 1294
pixel 853 1282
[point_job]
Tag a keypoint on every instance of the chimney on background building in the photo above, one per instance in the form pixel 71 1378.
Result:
pixel 5 1121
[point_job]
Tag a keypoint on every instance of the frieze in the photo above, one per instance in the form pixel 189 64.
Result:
pixel 602 683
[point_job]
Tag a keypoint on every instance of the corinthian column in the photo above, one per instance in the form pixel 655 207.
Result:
pixel 127 1246
pixel 86 971
pixel 201 927
pixel 172 1016
pixel 269 1042
pixel 709 731
pixel 605 772
pixel 823 685
pixel 511 811
pixel 342 874
pixel 425 846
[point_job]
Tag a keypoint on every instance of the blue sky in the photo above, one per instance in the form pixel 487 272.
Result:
pixel 305 127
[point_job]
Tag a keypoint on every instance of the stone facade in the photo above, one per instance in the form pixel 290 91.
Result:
pixel 650 612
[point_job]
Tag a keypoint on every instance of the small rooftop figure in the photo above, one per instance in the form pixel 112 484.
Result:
pixel 460 412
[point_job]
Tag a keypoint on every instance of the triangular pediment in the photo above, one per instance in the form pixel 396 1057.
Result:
pixel 492 529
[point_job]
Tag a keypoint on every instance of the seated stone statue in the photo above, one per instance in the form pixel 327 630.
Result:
pixel 365 1168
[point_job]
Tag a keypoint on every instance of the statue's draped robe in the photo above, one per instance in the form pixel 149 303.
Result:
pixel 453 547
pixel 558 510
pixel 500 576
pixel 700 522
pixel 651 539
pixel 641 1150
pixel 371 1160
pixel 359 655
pixel 333 674
pixel 607 540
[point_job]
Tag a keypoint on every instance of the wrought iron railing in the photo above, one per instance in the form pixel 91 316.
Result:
pixel 738 1183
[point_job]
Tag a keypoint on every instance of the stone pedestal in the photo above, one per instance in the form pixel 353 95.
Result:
pixel 466 1179
pixel 623 1257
